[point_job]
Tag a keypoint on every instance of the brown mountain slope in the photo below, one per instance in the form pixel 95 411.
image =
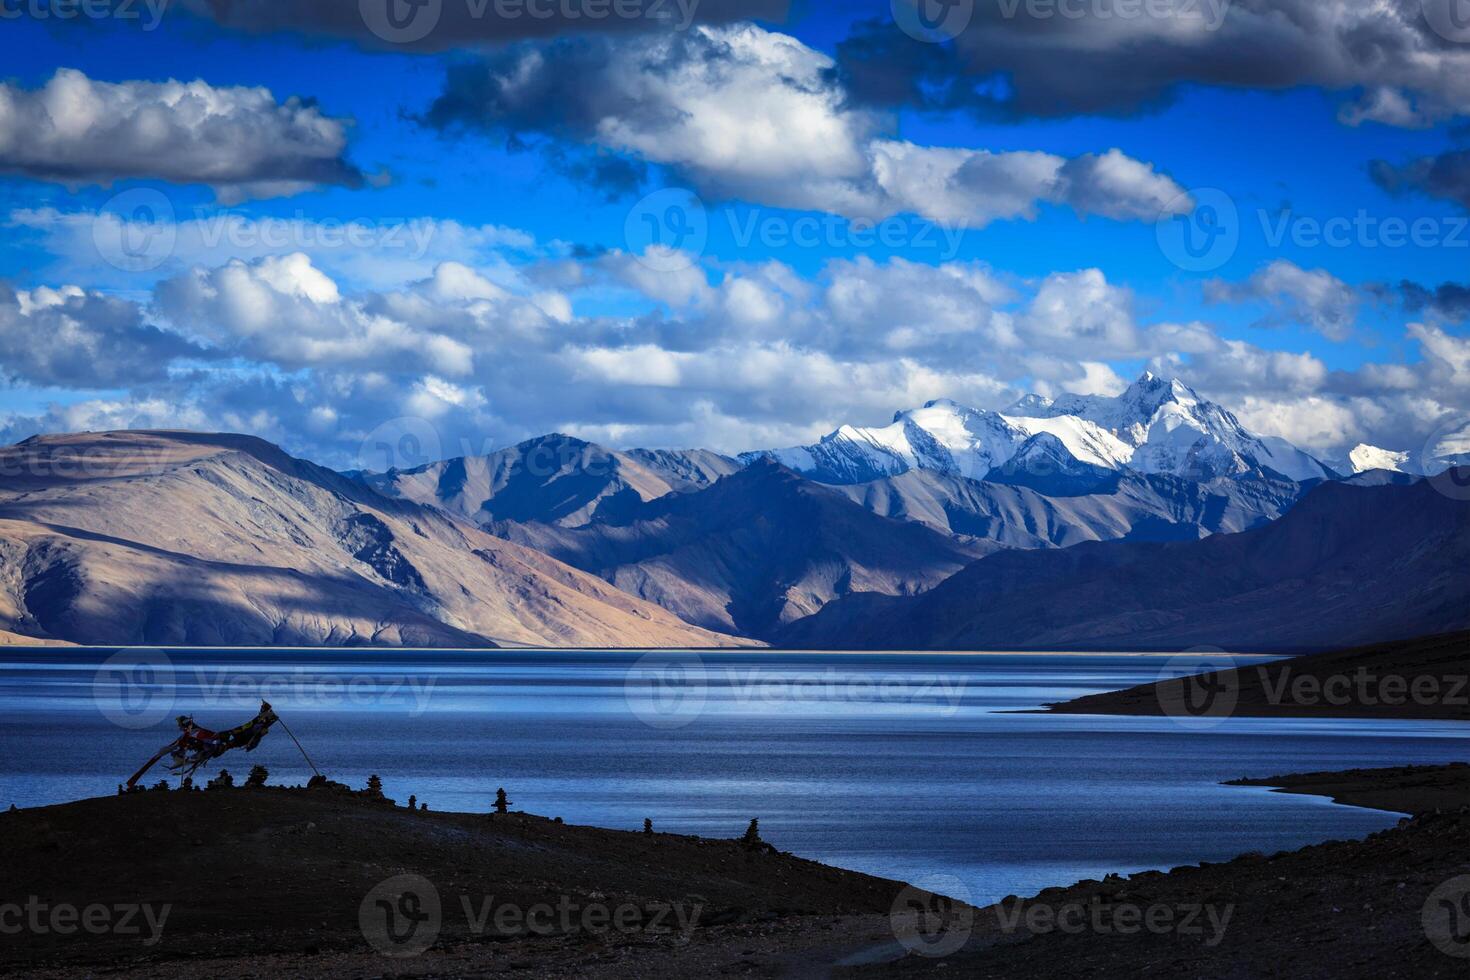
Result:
pixel 188 538
pixel 1348 565
pixel 555 479
pixel 759 549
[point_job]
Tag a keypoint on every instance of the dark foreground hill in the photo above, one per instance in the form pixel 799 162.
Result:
pixel 1348 565
pixel 253 872
pixel 272 882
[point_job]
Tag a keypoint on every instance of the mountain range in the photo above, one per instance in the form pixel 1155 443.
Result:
pixel 754 552
pixel 555 479
pixel 161 538
pixel 1100 521
pixel 1348 565
pixel 1157 425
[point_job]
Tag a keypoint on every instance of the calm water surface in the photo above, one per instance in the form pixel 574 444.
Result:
pixel 904 766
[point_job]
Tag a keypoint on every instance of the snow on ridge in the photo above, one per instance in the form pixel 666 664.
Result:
pixel 1157 425
pixel 1365 457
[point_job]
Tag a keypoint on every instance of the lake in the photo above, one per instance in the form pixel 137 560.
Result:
pixel 914 767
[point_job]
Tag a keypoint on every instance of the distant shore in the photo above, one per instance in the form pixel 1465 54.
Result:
pixel 1424 679
pixel 23 642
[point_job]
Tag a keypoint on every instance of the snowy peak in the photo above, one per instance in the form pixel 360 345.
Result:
pixel 1175 431
pixel 1029 406
pixel 1364 457
pixel 1131 415
pixel 1157 425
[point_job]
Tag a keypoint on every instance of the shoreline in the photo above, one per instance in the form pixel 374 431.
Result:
pixel 700 651
pixel 1423 679
pixel 1410 790
pixel 39 646
pixel 287 897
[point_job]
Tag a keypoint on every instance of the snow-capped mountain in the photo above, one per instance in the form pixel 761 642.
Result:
pixel 1173 430
pixel 1157 425
pixel 950 438
pixel 1364 458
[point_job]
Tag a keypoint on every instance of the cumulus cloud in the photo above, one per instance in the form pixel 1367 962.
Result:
pixel 286 311
pixel 1237 367
pixel 1313 297
pixel 1121 57
pixel 240 141
pixel 971 188
pixel 69 337
pixel 364 252
pixel 748 113
pixel 1447 357
pixel 729 357
pixel 1082 311
pixel 1314 422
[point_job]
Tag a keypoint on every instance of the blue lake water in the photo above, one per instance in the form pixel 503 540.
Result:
pixel 910 767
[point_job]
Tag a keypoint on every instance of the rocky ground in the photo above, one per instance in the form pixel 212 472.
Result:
pixel 278 882
pixel 292 872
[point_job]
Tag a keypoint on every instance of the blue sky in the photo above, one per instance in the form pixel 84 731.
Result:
pixel 641 347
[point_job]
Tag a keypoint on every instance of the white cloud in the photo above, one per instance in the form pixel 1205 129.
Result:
pixel 738 357
pixel 70 337
pixel 1314 423
pixel 368 253
pixel 1082 312
pixel 1313 297
pixel 1448 355
pixel 285 311
pixel 749 113
pixel 240 141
